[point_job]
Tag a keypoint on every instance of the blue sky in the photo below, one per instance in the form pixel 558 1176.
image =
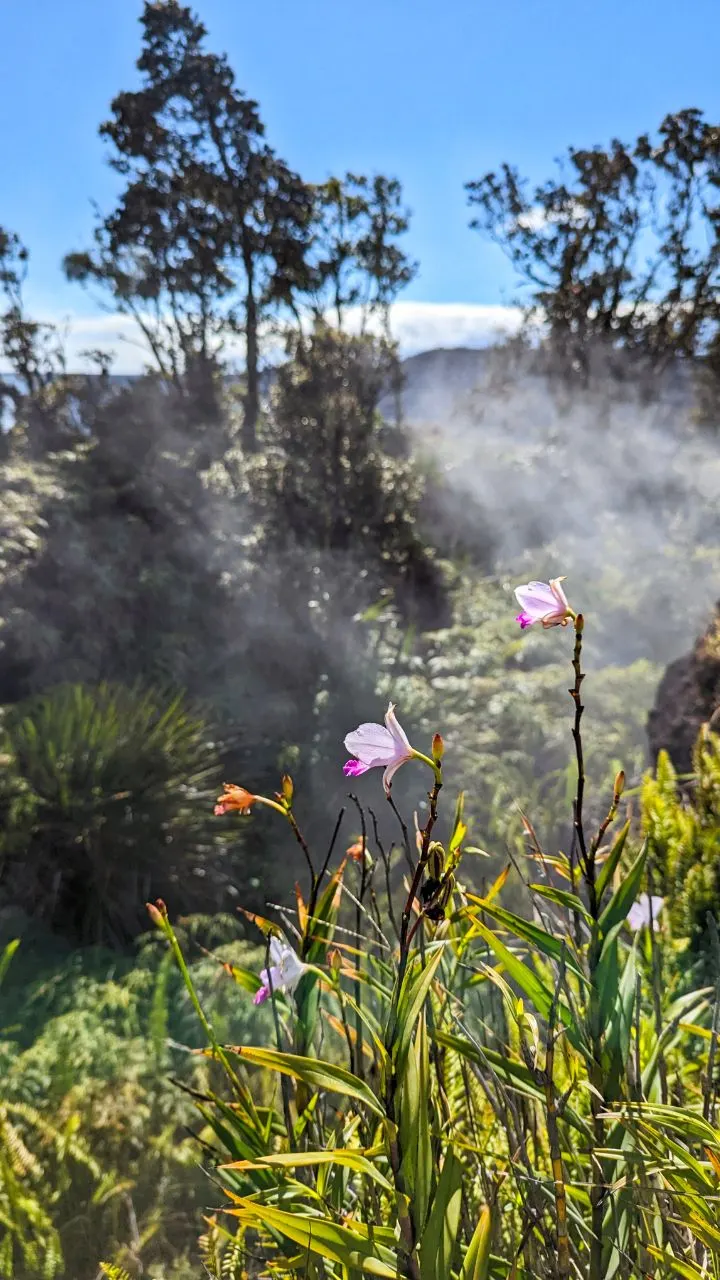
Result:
pixel 435 92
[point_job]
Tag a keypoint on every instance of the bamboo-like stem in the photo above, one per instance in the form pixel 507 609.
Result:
pixel 551 1116
pixel 545 1080
pixel 657 991
pixel 709 1085
pixel 408 1231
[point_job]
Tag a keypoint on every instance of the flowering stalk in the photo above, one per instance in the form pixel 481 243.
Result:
pixel 237 799
pixel 598 1188
pixel 408 1231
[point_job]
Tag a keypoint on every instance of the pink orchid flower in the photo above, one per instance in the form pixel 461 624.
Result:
pixel 377 746
pixel 543 602
pixel 286 970
pixel 641 912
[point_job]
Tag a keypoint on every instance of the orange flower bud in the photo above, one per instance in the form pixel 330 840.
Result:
pixel 438 747
pixel 356 851
pixel 234 799
pixel 157 911
pixel 620 783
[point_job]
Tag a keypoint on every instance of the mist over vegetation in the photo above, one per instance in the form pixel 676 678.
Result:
pixel 210 573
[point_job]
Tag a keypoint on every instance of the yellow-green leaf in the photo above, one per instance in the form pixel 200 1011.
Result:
pixel 348 1158
pixel 476 1263
pixel 319 1075
pixel 351 1247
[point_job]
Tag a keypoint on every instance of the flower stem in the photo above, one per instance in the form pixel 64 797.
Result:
pixel 598 1188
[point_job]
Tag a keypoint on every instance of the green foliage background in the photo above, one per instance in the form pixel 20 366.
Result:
pixel 209 575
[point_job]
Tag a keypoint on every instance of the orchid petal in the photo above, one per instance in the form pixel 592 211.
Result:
pixel 536 597
pixel 292 969
pixel 394 727
pixel 641 911
pixel 392 769
pixel 371 744
pixel 354 768
pixel 543 602
pixel 558 592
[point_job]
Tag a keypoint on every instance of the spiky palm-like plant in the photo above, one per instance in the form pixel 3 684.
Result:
pixel 106 795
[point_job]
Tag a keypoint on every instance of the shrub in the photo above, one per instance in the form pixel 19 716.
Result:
pixel 96 1155
pixel 681 819
pixel 106 794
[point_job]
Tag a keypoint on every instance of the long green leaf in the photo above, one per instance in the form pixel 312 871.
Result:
pixel 689 1124
pixel 7 956
pixel 353 1248
pixel 412 999
pixel 607 871
pixel 349 1159
pixel 319 1075
pixel 547 943
pixel 681 1268
pixel 532 986
pixel 514 1075
pixel 562 898
pixel 414 1095
pixel 624 896
pixel 476 1263
pixel 440 1236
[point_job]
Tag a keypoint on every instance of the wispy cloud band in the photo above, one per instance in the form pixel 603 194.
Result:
pixel 418 326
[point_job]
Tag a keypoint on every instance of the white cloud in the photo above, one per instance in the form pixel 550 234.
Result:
pixel 537 218
pixel 418 326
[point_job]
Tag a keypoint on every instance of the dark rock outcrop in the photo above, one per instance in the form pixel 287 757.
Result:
pixel 688 696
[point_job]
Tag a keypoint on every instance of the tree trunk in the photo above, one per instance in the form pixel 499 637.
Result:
pixel 252 392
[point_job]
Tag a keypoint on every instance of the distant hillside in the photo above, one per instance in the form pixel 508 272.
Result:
pixel 434 382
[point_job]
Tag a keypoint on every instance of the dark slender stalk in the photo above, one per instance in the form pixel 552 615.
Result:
pixel 417 877
pixel 598 1189
pixel 405 833
pixel 577 738
pixel 359 939
pixel 316 880
pixel 386 866
pixel 303 845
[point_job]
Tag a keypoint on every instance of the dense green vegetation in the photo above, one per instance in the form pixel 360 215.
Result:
pixel 455 1089
pixel 209 575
